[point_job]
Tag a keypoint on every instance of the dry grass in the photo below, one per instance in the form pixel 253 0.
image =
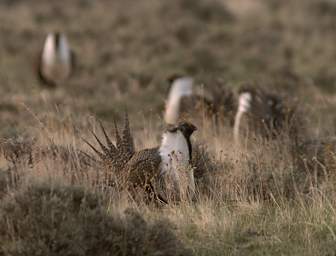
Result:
pixel 271 197
pixel 249 200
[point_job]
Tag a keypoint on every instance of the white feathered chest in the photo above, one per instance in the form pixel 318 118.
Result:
pixel 174 152
pixel 175 157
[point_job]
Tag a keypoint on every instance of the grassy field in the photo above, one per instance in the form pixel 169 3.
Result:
pixel 253 200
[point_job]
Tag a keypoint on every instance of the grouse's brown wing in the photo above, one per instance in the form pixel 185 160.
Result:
pixel 143 171
pixel 144 167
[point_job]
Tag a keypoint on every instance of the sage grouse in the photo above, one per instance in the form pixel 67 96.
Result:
pixel 56 60
pixel 267 114
pixel 197 104
pixel 148 169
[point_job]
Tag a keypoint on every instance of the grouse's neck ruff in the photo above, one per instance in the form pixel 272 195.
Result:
pixel 180 87
pixel 244 106
pixel 175 152
pixel 56 60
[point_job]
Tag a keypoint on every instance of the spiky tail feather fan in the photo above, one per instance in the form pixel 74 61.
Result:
pixel 115 156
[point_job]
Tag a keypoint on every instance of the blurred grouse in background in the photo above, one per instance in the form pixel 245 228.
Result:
pixel 188 102
pixel 56 60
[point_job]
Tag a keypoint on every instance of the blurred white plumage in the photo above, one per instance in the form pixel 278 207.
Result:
pixel 56 60
pixel 181 87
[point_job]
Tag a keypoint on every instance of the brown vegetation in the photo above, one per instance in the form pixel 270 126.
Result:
pixel 264 197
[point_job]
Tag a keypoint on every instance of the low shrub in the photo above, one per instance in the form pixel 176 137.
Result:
pixel 67 220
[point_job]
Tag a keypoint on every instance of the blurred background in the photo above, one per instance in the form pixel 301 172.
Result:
pixel 127 49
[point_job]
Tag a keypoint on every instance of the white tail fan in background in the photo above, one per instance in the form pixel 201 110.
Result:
pixel 243 107
pixel 181 87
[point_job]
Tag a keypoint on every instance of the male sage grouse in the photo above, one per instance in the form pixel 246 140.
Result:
pixel 267 114
pixel 149 169
pixel 56 60
pixel 197 104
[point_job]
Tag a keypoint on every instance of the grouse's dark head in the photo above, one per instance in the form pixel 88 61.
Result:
pixel 186 128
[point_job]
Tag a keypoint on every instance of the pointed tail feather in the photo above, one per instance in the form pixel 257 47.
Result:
pixel 105 149
pixel 127 145
pixel 116 134
pixel 112 148
pixel 101 155
pixel 87 156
